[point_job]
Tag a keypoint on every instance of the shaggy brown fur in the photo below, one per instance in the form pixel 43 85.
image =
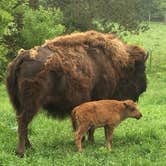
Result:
pixel 102 113
pixel 72 69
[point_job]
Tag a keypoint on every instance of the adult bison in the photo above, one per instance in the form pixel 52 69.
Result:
pixel 70 70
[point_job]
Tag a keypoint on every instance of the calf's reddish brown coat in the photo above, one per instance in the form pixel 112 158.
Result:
pixel 102 113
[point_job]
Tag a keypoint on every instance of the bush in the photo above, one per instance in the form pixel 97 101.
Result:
pixel 39 25
pixel 26 28
pixel 111 27
pixel 3 61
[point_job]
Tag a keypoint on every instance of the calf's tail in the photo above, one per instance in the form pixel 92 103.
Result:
pixel 74 120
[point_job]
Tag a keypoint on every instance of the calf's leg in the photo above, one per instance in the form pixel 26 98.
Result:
pixel 79 135
pixel 108 136
pixel 91 134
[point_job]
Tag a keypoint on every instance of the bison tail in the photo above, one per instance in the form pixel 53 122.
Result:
pixel 11 81
pixel 74 120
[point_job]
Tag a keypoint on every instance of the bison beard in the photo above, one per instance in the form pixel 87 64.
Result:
pixel 70 70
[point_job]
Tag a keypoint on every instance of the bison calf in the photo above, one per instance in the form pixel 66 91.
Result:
pixel 103 113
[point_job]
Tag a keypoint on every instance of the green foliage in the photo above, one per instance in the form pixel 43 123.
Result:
pixel 154 10
pixel 126 13
pixel 6 18
pixel 39 25
pixel 80 14
pixel 6 14
pixel 8 5
pixel 23 27
pixel 3 61
pixel 161 9
pixel 111 27
pixel 130 15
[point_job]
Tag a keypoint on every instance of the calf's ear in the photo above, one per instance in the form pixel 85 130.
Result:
pixel 126 105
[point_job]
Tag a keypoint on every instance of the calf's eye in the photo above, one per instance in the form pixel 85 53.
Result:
pixel 132 109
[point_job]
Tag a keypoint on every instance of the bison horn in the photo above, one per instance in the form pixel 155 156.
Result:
pixel 146 56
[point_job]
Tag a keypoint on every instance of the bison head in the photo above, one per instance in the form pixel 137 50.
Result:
pixel 133 82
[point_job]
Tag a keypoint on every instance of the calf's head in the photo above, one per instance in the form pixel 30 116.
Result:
pixel 131 109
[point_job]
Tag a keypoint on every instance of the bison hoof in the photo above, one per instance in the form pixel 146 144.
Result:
pixel 20 154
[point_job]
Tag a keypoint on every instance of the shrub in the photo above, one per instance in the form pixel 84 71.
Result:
pixel 39 25
pixel 3 61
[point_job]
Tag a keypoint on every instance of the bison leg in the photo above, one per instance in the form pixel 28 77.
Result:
pixel 79 135
pixel 91 134
pixel 23 120
pixel 108 136
pixel 29 93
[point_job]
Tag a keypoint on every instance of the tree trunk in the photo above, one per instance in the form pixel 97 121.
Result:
pixel 149 17
pixel 34 4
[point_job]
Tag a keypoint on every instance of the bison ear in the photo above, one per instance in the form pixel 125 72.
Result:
pixel 21 51
pixel 137 53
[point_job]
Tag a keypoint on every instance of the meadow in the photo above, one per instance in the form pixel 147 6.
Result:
pixel 135 143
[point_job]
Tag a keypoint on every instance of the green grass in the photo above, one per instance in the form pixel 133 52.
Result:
pixel 135 142
pixel 153 40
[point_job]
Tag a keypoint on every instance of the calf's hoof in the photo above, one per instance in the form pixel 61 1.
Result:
pixel 83 139
pixel 79 150
pixel 91 141
pixel 109 149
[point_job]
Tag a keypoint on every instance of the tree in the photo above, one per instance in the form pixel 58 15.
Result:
pixel 80 14
pixel 6 18
pixel 40 25
pixel 154 10
pixel 24 27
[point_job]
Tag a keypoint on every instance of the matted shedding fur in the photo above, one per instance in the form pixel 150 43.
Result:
pixel 33 53
pixel 21 51
pixel 76 69
pixel 110 44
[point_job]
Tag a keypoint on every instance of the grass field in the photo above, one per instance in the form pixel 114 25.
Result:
pixel 135 143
